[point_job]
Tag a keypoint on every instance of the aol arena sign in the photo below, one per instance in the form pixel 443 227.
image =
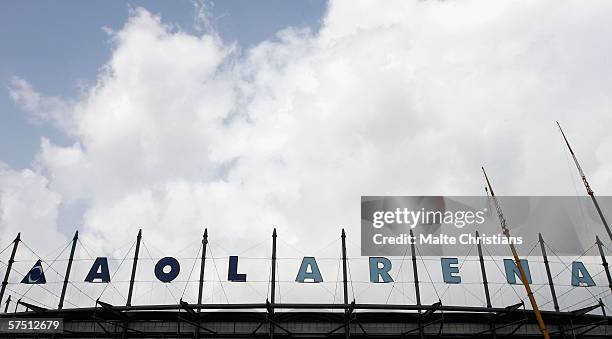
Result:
pixel 444 227
pixel 380 271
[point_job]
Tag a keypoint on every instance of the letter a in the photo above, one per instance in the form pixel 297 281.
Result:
pixel 314 273
pixel 580 275
pixel 99 270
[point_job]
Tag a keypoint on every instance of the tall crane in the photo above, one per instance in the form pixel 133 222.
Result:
pixel 586 184
pixel 506 231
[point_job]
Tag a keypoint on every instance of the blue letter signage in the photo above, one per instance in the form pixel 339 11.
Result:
pixel 175 268
pixel 99 270
pixel 314 274
pixel 232 271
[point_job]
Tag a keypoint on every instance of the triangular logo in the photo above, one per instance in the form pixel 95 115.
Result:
pixel 36 275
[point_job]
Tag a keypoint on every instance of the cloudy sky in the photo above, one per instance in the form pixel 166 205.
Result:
pixel 242 117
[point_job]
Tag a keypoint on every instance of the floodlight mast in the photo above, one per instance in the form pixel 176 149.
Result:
pixel 586 184
pixel 506 231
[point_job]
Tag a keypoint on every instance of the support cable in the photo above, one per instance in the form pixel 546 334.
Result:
pixel 502 273
pixel 460 267
pixel 48 264
pixel 144 245
pixel 117 270
pixel 191 272
pixel 566 267
pixel 34 301
pixel 7 246
pixel 398 274
pixel 217 270
pixel 91 258
pixel 427 271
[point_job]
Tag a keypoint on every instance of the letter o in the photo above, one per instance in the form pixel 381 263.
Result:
pixel 175 268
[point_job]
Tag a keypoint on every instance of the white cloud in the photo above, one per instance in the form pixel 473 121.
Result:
pixel 50 109
pixel 19 192
pixel 408 98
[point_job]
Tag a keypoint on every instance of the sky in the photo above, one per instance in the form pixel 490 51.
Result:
pixel 175 116
pixel 60 46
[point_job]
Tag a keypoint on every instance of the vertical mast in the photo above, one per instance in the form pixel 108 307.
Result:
pixel 417 291
pixel 548 274
pixel 68 268
pixel 415 271
pixel 10 265
pixel 485 282
pixel 506 231
pixel 134 264
pixel 604 263
pixel 273 283
pixel 345 284
pixel 202 265
pixel 586 184
pixel 201 282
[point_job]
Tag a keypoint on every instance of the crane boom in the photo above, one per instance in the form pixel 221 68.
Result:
pixel 506 231
pixel 586 184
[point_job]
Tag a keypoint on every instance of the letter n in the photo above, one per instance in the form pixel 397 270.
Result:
pixel 512 270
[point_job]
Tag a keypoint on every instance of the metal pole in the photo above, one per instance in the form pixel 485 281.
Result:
pixel 134 265
pixel 67 276
pixel 201 283
pixel 550 279
pixel 202 264
pixel 415 271
pixel 586 184
pixel 273 283
pixel 551 284
pixel 506 231
pixel 10 265
pixel 485 282
pixel 344 282
pixel 604 263
pixel 8 302
pixel 601 216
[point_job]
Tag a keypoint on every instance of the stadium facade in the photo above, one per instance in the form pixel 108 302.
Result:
pixel 271 319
